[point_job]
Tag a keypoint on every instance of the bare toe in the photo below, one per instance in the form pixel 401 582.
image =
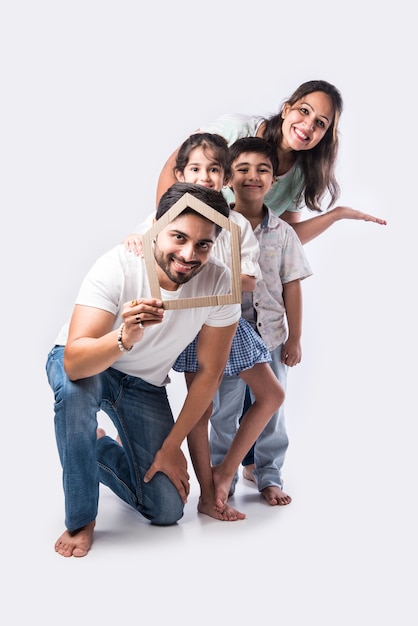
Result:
pixel 274 496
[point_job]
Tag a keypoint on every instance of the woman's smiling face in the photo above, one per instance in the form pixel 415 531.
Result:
pixel 306 122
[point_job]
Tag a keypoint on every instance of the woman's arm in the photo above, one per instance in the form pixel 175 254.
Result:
pixel 308 229
pixel 166 178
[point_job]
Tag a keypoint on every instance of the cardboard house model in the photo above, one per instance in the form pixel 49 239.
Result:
pixel 189 201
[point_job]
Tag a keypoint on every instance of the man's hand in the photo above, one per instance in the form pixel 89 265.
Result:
pixel 137 315
pixel 171 461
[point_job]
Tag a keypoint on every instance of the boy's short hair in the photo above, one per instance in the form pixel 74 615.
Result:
pixel 258 145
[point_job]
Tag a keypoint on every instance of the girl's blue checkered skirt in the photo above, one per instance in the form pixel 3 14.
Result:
pixel 247 349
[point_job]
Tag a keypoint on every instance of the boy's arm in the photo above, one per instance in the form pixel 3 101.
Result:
pixel 292 350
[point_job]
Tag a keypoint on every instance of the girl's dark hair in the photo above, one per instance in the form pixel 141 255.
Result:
pixel 212 198
pixel 318 164
pixel 255 144
pixel 208 141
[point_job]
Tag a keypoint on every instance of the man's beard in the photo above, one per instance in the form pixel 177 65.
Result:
pixel 179 278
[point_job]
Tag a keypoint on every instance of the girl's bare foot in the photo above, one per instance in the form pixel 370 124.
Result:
pixel 76 543
pixel 275 496
pixel 227 514
pixel 222 486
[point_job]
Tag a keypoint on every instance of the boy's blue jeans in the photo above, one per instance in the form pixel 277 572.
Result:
pixel 269 451
pixel 142 416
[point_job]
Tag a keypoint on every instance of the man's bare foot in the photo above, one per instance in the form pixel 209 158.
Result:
pixel 100 432
pixel 275 496
pixel 76 543
pixel 248 472
pixel 227 514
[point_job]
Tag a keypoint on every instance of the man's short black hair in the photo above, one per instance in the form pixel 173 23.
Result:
pixel 212 198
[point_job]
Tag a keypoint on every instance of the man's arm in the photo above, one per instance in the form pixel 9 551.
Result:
pixel 213 348
pixel 92 344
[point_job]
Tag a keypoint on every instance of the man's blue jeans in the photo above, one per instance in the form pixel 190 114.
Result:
pixel 142 416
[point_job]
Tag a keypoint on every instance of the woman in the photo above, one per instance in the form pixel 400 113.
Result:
pixel 305 135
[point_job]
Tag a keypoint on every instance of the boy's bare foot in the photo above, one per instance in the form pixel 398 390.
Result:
pixel 272 494
pixel 227 514
pixel 76 543
pixel 275 496
pixel 248 472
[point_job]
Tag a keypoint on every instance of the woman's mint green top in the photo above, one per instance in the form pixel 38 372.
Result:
pixel 285 193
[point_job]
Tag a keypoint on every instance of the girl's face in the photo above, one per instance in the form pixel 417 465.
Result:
pixel 306 122
pixel 203 169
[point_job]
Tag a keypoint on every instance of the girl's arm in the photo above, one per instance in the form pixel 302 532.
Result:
pixel 248 283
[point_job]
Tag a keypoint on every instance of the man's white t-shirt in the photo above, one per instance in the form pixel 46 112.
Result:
pixel 119 276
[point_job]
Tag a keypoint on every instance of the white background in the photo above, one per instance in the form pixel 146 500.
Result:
pixel 95 96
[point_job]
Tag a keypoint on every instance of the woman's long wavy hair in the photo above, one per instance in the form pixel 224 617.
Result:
pixel 318 164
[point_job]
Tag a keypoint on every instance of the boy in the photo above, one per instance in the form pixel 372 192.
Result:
pixel 274 309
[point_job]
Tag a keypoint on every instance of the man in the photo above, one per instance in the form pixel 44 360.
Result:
pixel 116 355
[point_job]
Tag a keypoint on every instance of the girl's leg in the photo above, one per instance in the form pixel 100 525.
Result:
pixel 249 457
pixel 198 444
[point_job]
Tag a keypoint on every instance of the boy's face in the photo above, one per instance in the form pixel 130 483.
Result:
pixel 182 249
pixel 252 176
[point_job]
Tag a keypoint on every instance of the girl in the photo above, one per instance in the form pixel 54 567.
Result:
pixel 204 159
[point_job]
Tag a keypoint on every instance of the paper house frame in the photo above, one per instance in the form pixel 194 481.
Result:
pixel 189 201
